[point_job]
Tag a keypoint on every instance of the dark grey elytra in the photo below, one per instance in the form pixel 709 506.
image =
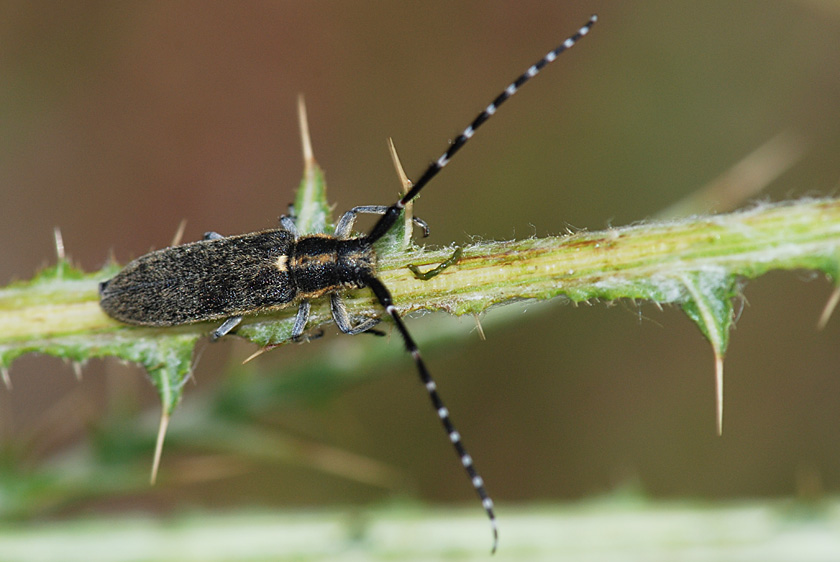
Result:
pixel 226 278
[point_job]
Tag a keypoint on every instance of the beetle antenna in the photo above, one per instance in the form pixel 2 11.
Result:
pixel 387 220
pixel 384 298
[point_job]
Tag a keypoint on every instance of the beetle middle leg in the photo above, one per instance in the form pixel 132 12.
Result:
pixel 299 326
pixel 288 222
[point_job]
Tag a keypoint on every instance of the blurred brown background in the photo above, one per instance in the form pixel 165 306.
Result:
pixel 121 119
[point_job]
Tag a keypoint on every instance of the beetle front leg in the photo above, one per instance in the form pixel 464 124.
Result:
pixel 345 324
pixel 344 227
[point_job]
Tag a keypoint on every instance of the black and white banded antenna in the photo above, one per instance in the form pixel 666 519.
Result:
pixel 389 218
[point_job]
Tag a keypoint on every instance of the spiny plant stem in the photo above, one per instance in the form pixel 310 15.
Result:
pixel 638 262
pixel 696 263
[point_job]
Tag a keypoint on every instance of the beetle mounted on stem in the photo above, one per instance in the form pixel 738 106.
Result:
pixel 228 277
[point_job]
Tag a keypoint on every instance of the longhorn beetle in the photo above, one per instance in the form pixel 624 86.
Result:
pixel 229 277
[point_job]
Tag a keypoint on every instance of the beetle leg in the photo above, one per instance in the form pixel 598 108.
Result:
pixel 226 327
pixel 288 223
pixel 300 321
pixel 343 321
pixel 345 224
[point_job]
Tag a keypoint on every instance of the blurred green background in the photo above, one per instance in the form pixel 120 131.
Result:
pixel 121 119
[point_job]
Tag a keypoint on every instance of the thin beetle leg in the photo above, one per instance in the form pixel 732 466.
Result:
pixel 345 324
pixel 345 224
pixel 288 222
pixel 299 327
pixel 227 327
pixel 301 319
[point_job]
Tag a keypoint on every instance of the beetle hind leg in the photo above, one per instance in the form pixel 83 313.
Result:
pixel 227 327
